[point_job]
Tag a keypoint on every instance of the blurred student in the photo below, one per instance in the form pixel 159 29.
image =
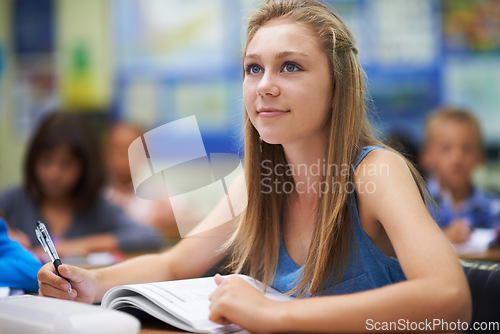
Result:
pixel 120 190
pixel 18 267
pixel 62 187
pixel 453 149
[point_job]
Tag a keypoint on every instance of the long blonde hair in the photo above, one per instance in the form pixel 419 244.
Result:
pixel 255 243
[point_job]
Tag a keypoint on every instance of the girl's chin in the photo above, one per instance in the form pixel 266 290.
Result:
pixel 275 135
pixel 271 140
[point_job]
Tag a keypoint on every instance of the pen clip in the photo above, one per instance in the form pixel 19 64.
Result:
pixel 41 239
pixel 43 236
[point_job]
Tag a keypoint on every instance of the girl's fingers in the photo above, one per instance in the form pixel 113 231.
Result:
pixel 218 279
pixel 217 316
pixel 218 291
pixel 214 294
pixel 47 290
pixel 48 276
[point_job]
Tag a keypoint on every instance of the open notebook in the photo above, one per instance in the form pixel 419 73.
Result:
pixel 182 304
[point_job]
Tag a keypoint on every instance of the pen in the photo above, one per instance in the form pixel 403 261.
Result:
pixel 48 246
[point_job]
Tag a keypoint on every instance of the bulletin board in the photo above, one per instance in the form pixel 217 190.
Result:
pixel 471 43
pixel 33 47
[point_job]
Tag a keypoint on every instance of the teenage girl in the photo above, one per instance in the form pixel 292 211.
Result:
pixel 353 236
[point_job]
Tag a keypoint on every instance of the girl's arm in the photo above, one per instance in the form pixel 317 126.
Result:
pixel 191 257
pixel 436 287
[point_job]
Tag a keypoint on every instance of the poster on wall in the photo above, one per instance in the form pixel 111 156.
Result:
pixel 180 58
pixel 35 92
pixel 403 32
pixel 471 27
pixel 473 84
pixel 172 35
pixel 471 38
pixel 34 72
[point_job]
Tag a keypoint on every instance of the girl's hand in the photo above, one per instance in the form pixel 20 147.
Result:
pixel 237 302
pixel 83 283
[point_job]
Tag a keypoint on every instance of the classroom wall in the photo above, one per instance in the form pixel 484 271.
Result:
pixel 155 61
pixel 84 54
pixel 77 72
pixel 11 143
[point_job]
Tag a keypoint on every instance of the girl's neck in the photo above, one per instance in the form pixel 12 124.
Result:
pixel 306 161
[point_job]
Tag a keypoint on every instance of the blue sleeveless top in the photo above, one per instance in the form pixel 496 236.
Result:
pixel 367 267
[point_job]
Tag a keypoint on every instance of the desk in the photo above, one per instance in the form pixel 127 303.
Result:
pixel 490 255
pixel 159 331
pixel 150 325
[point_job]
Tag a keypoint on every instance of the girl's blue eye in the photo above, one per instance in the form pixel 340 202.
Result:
pixel 290 67
pixel 253 69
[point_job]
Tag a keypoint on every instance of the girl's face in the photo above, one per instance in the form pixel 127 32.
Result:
pixel 58 171
pixel 287 85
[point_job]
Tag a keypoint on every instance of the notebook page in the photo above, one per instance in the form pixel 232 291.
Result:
pixel 186 300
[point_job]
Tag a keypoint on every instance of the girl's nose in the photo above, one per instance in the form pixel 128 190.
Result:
pixel 267 86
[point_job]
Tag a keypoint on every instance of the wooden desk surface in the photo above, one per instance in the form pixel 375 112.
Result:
pixel 490 255
pixel 150 325
pixel 159 331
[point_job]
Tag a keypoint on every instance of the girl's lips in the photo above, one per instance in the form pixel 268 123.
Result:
pixel 267 113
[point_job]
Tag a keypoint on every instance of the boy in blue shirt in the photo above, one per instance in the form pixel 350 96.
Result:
pixel 18 267
pixel 453 149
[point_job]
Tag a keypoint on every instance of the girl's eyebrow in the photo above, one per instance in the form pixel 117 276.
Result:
pixel 285 54
pixel 280 55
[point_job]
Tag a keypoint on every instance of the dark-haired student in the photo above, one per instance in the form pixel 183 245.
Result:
pixel 62 187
